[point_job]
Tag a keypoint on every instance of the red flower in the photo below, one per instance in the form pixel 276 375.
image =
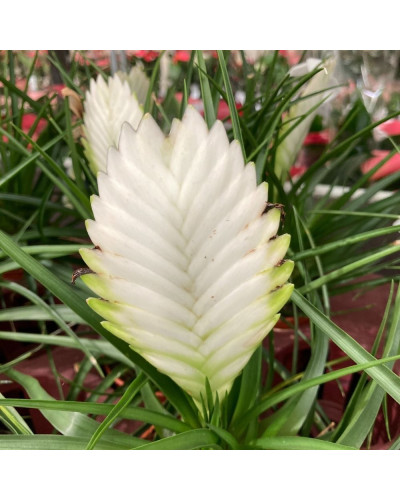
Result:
pixel 181 56
pixel 297 171
pixel 28 120
pixel 147 55
pixel 223 110
pixel 317 138
pixel 292 56
pixel 391 166
pixel 390 128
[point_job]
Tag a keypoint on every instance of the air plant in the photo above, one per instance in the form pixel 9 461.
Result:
pixel 187 261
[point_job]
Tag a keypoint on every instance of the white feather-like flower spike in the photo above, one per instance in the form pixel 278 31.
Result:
pixel 187 262
pixel 107 106
pixel 138 82
pixel 312 96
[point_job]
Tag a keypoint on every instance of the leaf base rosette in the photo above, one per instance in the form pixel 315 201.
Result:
pixel 187 262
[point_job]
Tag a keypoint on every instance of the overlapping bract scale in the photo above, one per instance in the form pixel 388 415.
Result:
pixel 187 262
pixel 138 82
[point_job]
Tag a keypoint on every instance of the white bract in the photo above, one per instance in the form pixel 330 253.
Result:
pixel 107 106
pixel 137 81
pixel 288 149
pixel 187 262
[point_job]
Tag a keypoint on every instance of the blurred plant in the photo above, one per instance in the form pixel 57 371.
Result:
pixel 107 106
pixel 302 113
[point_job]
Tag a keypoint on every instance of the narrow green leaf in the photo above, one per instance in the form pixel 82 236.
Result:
pixel 71 424
pixel 70 185
pixel 270 125
pixel 49 442
pixel 209 111
pixel 190 440
pixel 54 316
pixel 305 401
pixel 226 436
pixel 354 400
pixel 97 347
pixel 72 147
pixel 366 411
pixel 357 214
pixel 148 102
pixel 297 443
pixel 339 148
pixel 35 313
pixel 389 381
pixel 20 93
pixel 237 131
pixel 131 413
pixel 275 398
pixel 129 394
pixel 151 402
pixel 51 249
pixel 67 78
pixel 249 385
pixel 77 198
pixel 67 294
pixel 31 158
pixel 333 246
pixel 343 271
pixel 12 419
pixel 395 445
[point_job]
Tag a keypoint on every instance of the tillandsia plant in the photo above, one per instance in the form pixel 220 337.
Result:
pixel 187 254
pixel 190 264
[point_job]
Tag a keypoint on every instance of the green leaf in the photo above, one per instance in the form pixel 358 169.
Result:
pixel 209 111
pixel 343 271
pixel 389 381
pixel 249 384
pixel 53 250
pixel 273 399
pixel 129 394
pixel 54 317
pixel 370 401
pixel 67 294
pixel 395 445
pixel 151 402
pixel 334 245
pixel 301 405
pixel 31 158
pixel 69 186
pixel 13 420
pixel 131 413
pixel 72 424
pixel 16 91
pixel 297 443
pixel 338 149
pixel 237 131
pixel 190 440
pixel 50 442
pixel 72 147
pixel 148 102
pixel 35 313
pixel 225 436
